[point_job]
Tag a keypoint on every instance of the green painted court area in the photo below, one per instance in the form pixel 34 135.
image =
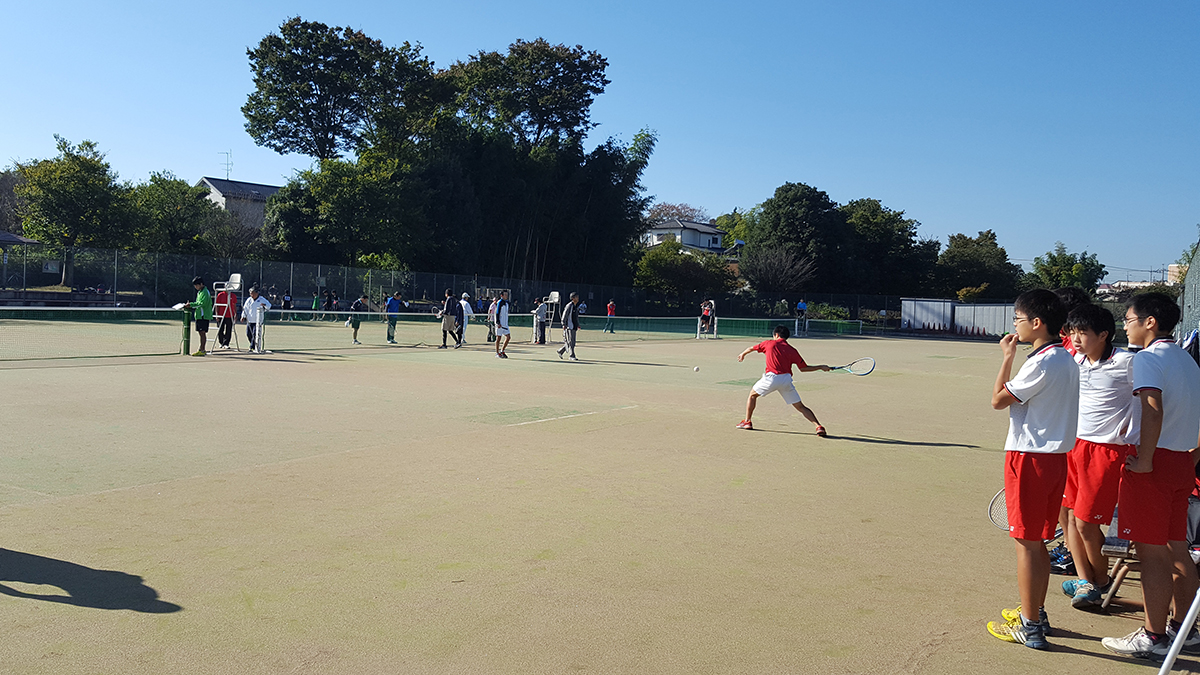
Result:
pixel 412 510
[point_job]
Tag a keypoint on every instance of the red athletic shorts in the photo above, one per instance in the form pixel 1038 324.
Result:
pixel 1093 478
pixel 1152 507
pixel 1033 493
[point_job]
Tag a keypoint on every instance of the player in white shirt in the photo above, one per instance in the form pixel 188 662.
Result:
pixel 467 314
pixel 1157 480
pixel 1043 408
pixel 254 312
pixel 1107 430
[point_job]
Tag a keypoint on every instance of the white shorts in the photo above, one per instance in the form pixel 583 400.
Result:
pixel 781 383
pixel 501 331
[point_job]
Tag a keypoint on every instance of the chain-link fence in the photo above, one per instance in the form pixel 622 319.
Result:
pixel 54 275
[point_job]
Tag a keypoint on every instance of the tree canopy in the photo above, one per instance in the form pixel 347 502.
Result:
pixel 970 262
pixel 1059 268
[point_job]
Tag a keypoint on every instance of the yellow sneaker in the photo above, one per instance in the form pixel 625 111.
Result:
pixel 200 353
pixel 1031 635
pixel 1011 615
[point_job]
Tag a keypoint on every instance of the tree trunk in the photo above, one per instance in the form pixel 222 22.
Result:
pixel 68 270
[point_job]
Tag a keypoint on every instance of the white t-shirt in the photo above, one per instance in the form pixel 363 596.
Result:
pixel 467 311
pixel 1047 390
pixel 255 310
pixel 1166 367
pixel 1108 410
pixel 502 314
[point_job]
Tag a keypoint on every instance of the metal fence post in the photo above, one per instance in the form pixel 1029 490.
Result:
pixel 156 278
pixel 116 255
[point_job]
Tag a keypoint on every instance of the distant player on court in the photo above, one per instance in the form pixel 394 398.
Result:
pixel 778 377
pixel 503 334
pixel 360 305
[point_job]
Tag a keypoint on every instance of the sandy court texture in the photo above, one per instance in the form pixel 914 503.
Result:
pixel 413 510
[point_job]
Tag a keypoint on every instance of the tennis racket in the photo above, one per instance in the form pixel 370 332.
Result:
pixel 998 511
pixel 862 366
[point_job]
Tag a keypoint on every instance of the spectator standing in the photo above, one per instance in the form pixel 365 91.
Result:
pixel 467 313
pixel 491 318
pixel 355 320
pixel 539 322
pixel 570 324
pixel 203 308
pixel 287 305
pixel 254 312
pixel 393 315
pixel 612 312
pixel 502 332
pixel 225 311
pixel 451 316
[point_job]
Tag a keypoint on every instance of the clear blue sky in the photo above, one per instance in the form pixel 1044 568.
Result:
pixel 1045 121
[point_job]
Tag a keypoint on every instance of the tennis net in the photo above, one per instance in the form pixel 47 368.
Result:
pixel 33 333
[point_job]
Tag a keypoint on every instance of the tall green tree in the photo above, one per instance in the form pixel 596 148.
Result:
pixel 10 216
pixel 74 199
pixel 776 270
pixel 172 214
pixel 535 91
pixel 737 225
pixel 315 87
pixel 805 222
pixel 683 275
pixel 1060 268
pixel 970 262
pixel 889 258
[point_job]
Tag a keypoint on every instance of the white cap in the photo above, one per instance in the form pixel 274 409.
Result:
pixel 466 295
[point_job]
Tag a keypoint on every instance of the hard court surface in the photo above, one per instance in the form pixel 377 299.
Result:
pixel 413 510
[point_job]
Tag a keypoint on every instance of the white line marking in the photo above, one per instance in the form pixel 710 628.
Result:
pixel 18 487
pixel 551 419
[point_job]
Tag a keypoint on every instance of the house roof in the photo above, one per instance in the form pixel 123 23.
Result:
pixel 10 238
pixel 677 224
pixel 239 189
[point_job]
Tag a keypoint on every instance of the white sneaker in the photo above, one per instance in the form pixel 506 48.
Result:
pixel 1191 645
pixel 574 359
pixel 1138 644
pixel 357 342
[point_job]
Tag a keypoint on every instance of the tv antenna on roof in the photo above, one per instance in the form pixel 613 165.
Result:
pixel 228 163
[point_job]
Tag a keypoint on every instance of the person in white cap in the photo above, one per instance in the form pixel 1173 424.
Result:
pixel 467 314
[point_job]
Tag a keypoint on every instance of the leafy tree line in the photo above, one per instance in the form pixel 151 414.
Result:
pixel 800 240
pixel 479 167
pixel 76 199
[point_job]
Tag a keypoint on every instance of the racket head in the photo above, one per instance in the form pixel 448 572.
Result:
pixel 998 511
pixel 859 367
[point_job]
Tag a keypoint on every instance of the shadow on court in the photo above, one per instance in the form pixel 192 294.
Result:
pixel 85 587
pixel 873 439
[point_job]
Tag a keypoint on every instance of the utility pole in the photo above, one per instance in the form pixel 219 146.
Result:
pixel 228 163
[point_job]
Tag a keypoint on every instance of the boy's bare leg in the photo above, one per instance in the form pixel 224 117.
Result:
pixel 1033 576
pixel 750 403
pixel 1157 584
pixel 1090 563
pixel 1184 578
pixel 1064 521
pixel 808 413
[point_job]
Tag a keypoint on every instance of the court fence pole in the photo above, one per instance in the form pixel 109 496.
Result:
pixel 115 254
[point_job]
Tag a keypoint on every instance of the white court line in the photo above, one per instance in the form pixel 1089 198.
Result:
pixel 18 487
pixel 551 419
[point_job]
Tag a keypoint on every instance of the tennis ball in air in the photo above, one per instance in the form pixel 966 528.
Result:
pixel 696 369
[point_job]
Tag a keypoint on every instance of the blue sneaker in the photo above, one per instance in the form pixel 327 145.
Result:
pixel 1086 595
pixel 1011 615
pixel 1071 585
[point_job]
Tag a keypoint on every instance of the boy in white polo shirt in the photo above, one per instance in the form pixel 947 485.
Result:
pixel 1157 480
pixel 1108 426
pixel 1043 407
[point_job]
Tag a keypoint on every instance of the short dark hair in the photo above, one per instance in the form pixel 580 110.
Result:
pixel 449 292
pixel 574 295
pixel 1072 297
pixel 1045 305
pixel 782 331
pixel 1094 318
pixel 1158 305
pixel 197 280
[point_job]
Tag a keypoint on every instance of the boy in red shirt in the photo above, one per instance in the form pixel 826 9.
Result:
pixel 778 376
